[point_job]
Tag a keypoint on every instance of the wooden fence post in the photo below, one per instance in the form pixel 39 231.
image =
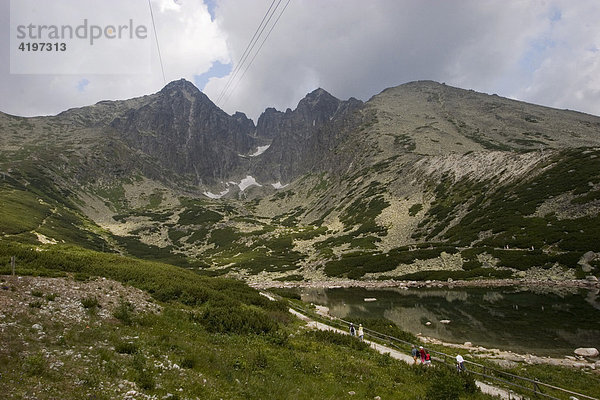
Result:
pixel 12 264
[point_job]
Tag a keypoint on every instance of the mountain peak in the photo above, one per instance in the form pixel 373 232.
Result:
pixel 181 84
pixel 318 94
pixel 317 97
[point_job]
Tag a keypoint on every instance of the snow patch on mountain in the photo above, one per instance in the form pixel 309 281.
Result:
pixel 216 196
pixel 247 182
pixel 259 150
pixel 278 185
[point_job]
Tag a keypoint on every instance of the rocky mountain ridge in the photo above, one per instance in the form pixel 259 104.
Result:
pixel 421 179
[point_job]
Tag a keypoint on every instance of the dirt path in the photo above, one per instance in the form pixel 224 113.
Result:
pixel 485 387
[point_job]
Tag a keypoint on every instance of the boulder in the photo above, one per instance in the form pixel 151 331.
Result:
pixel 445 321
pixel 587 352
pixel 428 323
pixel 468 344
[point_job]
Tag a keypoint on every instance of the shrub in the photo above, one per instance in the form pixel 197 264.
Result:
pixel 414 209
pixel 469 384
pixel 444 385
pixel 126 348
pixel 90 302
pixel 35 365
pixel 124 312
pixel 37 293
pixel 230 319
pixel 36 304
pixel 144 374
pixel 81 276
pixel 189 361
pixel 288 293
pixel 338 339
pixel 259 361
pixel 51 296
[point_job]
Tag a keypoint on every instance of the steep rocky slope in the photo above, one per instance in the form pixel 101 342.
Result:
pixel 423 180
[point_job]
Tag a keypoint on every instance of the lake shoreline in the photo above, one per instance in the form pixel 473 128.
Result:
pixel 570 283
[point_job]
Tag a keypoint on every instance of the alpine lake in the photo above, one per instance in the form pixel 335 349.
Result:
pixel 546 321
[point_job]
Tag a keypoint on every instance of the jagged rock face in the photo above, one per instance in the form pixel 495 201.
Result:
pixel 300 137
pixel 186 133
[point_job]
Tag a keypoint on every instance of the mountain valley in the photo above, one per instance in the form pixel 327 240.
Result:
pixel 422 181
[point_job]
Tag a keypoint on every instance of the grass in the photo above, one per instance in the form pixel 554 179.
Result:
pixel 21 211
pixel 214 339
pixel 175 354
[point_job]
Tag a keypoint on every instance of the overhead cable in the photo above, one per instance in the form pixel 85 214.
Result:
pixel 255 54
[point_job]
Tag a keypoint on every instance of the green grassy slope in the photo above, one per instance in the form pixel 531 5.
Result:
pixel 214 339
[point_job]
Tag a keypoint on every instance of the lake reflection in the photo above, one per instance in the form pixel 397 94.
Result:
pixel 550 321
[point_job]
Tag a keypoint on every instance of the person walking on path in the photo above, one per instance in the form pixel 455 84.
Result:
pixel 352 329
pixel 427 358
pixel 414 353
pixel 460 363
pixel 361 334
pixel 422 353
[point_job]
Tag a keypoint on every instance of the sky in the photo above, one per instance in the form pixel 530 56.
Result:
pixel 541 51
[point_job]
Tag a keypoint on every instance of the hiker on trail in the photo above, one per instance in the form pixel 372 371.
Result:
pixel 427 358
pixel 415 353
pixel 361 334
pixel 460 363
pixel 352 329
pixel 422 353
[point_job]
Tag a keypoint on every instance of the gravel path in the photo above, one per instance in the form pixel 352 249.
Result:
pixel 485 387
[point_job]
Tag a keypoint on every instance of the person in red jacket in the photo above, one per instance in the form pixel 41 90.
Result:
pixel 427 358
pixel 422 353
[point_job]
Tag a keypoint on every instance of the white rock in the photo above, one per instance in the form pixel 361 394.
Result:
pixel 37 327
pixel 428 323
pixel 352 393
pixel 468 344
pixel 587 352
pixel 370 299
pixel 445 321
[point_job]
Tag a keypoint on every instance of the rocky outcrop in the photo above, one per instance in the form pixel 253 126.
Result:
pixel 182 130
pixel 302 138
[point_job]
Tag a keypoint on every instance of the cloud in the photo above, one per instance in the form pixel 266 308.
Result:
pixel 357 48
pixel 568 72
pixel 545 52
pixel 190 42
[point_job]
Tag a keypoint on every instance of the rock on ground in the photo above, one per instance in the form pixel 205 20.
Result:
pixel 587 352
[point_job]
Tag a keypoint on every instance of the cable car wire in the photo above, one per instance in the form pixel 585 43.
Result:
pixel 162 68
pixel 246 53
pixel 255 54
